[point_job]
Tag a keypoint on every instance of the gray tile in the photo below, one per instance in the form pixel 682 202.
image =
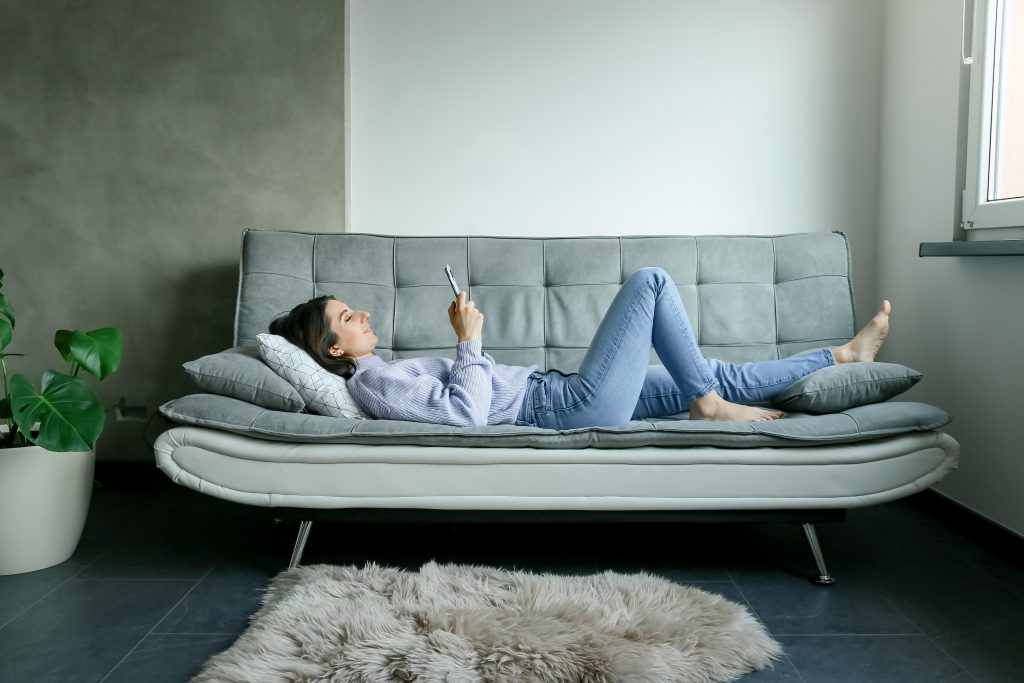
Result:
pixel 684 573
pixel 881 555
pixel 80 631
pixel 780 672
pixel 991 651
pixel 1008 574
pixel 727 589
pixel 878 659
pixel 860 553
pixel 155 555
pixel 169 658
pixel 950 608
pixel 19 591
pixel 791 606
pixel 86 661
pixel 678 569
pixel 221 603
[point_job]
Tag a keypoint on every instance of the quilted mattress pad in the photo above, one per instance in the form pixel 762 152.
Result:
pixel 862 423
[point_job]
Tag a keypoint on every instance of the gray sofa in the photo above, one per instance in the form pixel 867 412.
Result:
pixel 748 298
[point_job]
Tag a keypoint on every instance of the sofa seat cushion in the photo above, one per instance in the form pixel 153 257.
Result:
pixel 855 424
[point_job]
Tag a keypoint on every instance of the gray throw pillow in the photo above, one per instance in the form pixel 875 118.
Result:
pixel 241 373
pixel 837 387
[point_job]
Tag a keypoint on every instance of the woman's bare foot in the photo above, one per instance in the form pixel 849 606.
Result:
pixel 865 345
pixel 712 406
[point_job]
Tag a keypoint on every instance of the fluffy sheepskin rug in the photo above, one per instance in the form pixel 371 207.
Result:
pixel 457 624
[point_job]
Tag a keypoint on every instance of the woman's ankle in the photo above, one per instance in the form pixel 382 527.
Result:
pixel 842 354
pixel 712 406
pixel 707 402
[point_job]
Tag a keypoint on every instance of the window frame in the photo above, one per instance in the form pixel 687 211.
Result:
pixel 982 218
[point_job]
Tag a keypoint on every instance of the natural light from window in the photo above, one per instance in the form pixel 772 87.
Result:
pixel 993 197
pixel 1006 150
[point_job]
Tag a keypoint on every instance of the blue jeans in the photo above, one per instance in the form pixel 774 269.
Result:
pixel 615 384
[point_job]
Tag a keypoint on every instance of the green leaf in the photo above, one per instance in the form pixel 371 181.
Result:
pixel 6 310
pixel 5 408
pixel 1 277
pixel 62 340
pixel 69 413
pixel 6 321
pixel 97 352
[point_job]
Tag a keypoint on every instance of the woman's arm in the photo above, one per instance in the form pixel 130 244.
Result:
pixel 416 391
pixel 409 391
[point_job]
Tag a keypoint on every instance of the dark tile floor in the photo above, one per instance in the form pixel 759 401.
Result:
pixel 164 578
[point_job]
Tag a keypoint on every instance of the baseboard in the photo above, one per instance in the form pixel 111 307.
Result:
pixel 994 537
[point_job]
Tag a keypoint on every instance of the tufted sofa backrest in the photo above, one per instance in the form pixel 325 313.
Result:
pixel 747 297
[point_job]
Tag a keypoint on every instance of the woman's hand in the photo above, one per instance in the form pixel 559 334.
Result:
pixel 467 321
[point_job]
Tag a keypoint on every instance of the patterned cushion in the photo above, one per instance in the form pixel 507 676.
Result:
pixel 324 392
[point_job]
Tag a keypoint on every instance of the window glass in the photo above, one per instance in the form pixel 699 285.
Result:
pixel 1006 144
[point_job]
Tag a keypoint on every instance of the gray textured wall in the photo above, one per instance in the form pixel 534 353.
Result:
pixel 138 138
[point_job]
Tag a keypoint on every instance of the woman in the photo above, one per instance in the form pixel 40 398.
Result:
pixel 614 384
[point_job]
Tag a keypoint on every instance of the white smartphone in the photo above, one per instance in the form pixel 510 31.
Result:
pixel 451 279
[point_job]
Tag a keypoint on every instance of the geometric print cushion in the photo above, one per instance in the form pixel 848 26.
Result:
pixel 324 392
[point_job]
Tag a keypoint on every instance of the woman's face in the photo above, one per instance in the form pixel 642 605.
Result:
pixel 354 335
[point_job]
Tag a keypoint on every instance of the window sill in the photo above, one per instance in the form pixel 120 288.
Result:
pixel 979 248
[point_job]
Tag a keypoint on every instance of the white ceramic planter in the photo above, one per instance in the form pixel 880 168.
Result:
pixel 44 499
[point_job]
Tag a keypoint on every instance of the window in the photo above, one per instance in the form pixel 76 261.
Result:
pixel 994 194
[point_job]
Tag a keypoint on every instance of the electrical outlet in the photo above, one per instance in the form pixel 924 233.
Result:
pixel 123 413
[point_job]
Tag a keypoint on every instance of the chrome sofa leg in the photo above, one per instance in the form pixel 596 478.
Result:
pixel 823 578
pixel 300 544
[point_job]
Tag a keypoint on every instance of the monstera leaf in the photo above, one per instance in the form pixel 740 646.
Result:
pixel 69 413
pixel 6 322
pixel 97 352
pixel 6 317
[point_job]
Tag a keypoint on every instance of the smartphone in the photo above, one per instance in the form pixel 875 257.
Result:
pixel 451 279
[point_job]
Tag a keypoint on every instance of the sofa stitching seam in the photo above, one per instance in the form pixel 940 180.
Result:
pixel 394 288
pixel 544 279
pixel 696 280
pixel 775 296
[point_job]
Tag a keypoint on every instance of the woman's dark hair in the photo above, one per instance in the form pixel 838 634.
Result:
pixel 307 327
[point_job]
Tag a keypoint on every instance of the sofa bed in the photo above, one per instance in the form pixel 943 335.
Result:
pixel 251 438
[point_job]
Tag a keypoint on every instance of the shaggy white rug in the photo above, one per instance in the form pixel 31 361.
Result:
pixel 458 624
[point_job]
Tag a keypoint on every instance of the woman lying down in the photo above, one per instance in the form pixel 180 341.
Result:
pixel 615 383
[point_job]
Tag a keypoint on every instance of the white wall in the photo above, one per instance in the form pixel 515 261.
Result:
pixel 602 117
pixel 598 117
pixel 958 320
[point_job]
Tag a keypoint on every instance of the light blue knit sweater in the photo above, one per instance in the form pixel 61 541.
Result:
pixel 472 390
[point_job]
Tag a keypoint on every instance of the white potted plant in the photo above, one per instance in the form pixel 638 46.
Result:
pixel 47 447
